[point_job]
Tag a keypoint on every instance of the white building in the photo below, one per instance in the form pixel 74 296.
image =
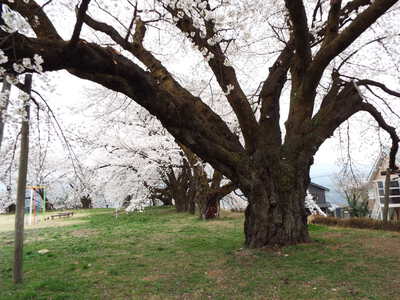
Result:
pixel 376 190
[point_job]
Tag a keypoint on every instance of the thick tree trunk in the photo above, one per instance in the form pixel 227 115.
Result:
pixel 86 202
pixel 191 196
pixel 181 202
pixel 276 215
pixel 211 210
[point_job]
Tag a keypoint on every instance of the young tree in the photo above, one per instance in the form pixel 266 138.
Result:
pixel 351 184
pixel 319 43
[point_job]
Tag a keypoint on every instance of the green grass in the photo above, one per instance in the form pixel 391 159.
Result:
pixel 159 254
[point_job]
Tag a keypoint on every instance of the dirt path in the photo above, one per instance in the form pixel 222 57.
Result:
pixel 7 221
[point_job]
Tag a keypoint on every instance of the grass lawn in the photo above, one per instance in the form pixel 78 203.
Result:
pixel 159 254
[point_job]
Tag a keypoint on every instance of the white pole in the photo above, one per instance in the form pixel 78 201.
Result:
pixel 30 207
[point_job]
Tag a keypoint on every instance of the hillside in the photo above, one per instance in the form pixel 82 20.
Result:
pixel 159 254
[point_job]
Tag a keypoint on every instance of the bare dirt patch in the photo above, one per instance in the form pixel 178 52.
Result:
pixel 218 223
pixel 383 245
pixel 7 222
pixel 217 274
pixel 333 235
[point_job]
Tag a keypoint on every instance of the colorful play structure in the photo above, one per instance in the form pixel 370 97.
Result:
pixel 35 203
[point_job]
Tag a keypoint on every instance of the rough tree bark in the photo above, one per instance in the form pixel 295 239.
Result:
pixel 276 211
pixel 271 171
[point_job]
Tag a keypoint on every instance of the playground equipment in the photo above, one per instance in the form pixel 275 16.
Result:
pixel 35 202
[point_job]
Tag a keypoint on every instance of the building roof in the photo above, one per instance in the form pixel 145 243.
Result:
pixel 319 186
pixel 382 159
pixel 375 168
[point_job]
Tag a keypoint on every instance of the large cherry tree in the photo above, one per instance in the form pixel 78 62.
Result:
pixel 309 59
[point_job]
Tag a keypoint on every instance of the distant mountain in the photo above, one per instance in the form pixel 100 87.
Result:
pixel 324 174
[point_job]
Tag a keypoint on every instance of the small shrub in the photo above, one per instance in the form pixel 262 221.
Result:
pixel 362 223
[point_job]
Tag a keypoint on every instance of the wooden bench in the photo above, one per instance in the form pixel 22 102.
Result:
pixel 60 215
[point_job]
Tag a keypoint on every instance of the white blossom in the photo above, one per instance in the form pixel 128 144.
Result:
pixel 38 59
pixel 38 68
pixel 180 14
pixel 3 57
pixel 209 56
pixel 27 63
pixel 229 89
pixel 227 63
pixel 18 68
pixel 312 205
pixel 36 21
pixel 3 98
pixel 23 97
pixel 12 79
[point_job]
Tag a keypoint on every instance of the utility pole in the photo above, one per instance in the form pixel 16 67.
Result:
pixel 21 187
pixel 385 212
pixel 5 96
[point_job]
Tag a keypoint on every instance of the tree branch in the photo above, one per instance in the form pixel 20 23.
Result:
pixel 344 18
pixel 360 24
pixel 128 32
pixel 301 34
pixel 341 102
pixel 302 99
pixel 369 82
pixel 389 129
pixel 332 28
pixel 225 74
pixel 271 92
pixel 136 48
pixel 220 192
pixel 186 117
pixel 79 22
